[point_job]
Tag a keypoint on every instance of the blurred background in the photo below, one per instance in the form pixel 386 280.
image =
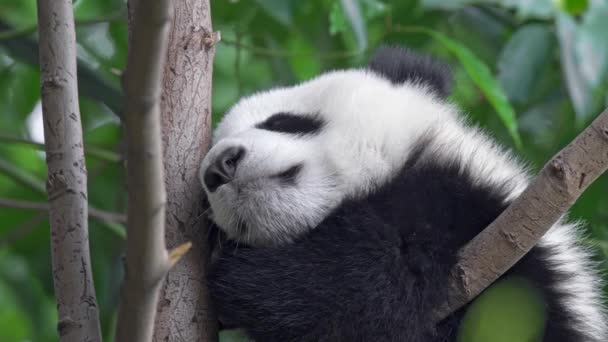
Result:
pixel 533 72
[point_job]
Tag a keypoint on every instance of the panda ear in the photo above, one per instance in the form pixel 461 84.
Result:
pixel 400 65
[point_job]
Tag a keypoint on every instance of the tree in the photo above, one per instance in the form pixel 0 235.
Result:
pixel 279 41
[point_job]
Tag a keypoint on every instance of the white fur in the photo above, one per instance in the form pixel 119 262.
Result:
pixel 371 126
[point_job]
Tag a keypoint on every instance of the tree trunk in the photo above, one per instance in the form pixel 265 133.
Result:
pixel 184 312
pixel 67 175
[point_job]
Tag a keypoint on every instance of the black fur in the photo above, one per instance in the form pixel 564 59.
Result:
pixel 289 176
pixel 375 268
pixel 292 124
pixel 400 65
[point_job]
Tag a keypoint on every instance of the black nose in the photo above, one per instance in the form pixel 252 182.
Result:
pixel 222 170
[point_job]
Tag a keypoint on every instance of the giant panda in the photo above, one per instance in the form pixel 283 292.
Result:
pixel 344 201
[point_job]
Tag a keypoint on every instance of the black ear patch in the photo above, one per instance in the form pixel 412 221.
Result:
pixel 400 65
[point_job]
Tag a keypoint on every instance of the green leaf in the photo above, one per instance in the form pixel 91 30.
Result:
pixel 573 7
pixel 337 19
pixel 373 8
pixel 446 5
pixel 479 31
pixel 96 8
pixel 584 54
pixel 592 44
pixel 356 14
pixel 511 310
pixel 18 13
pixel 21 92
pixel 352 13
pixel 522 60
pixel 481 75
pixel 542 9
pixel 280 10
pixel 578 88
pixel 233 336
pixel 28 294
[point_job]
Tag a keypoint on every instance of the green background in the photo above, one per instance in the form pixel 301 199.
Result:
pixel 534 73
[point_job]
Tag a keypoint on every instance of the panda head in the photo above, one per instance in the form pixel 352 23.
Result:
pixel 283 159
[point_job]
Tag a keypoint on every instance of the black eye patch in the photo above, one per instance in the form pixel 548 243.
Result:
pixel 289 176
pixel 292 124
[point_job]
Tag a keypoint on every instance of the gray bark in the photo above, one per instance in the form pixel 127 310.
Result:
pixel 67 175
pixel 184 312
pixel 147 260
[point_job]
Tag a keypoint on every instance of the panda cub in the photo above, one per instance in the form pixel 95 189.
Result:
pixel 346 198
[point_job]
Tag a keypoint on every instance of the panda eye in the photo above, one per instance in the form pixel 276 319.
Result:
pixel 289 176
pixel 291 124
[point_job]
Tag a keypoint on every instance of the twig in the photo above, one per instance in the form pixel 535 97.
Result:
pixel 147 260
pixel 43 206
pixel 496 249
pixel 267 52
pixel 93 151
pixel 23 177
pixel 67 176
pixel 27 179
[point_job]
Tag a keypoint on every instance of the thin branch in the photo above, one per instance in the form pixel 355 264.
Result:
pixel 92 151
pixel 147 260
pixel 268 52
pixel 22 177
pixel 43 206
pixel 27 179
pixel 504 242
pixel 67 176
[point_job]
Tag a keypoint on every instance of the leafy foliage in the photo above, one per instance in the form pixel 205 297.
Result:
pixel 510 310
pixel 532 72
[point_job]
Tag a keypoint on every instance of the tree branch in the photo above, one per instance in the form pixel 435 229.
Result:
pixel 504 242
pixel 92 151
pixel 43 206
pixel 23 177
pixel 147 260
pixel 67 177
pixel 184 303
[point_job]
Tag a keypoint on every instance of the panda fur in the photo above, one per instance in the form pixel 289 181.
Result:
pixel 346 198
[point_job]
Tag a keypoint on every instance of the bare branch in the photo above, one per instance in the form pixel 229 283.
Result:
pixel 67 176
pixel 43 206
pixel 184 303
pixel 22 177
pixel 496 249
pixel 147 258
pixel 90 150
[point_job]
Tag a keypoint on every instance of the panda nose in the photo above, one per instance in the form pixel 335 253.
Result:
pixel 222 170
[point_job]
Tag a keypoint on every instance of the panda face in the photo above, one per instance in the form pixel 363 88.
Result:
pixel 283 159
